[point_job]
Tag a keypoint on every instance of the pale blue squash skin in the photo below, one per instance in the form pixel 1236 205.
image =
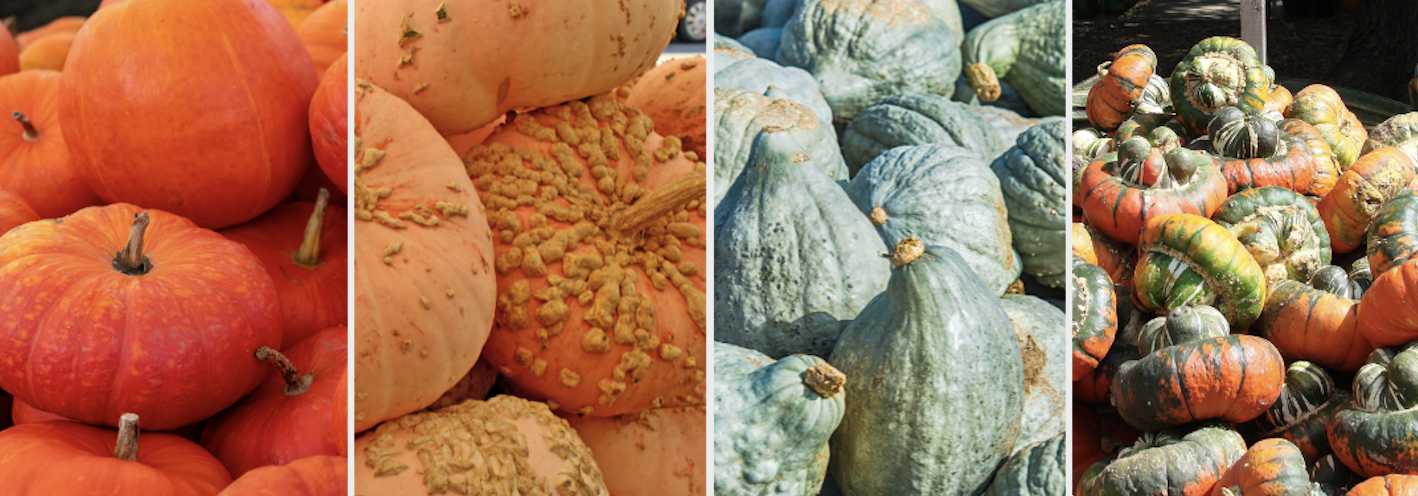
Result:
pixel 1034 180
pixel 771 429
pixel 936 385
pixel 1036 470
pixel 1026 48
pixel 1044 403
pixel 916 119
pixel 911 50
pixel 738 67
pixel 740 114
pixel 794 260
pixel 764 40
pixel 721 41
pixel 943 195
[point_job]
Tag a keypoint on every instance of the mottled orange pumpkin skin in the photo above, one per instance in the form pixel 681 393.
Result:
pixel 58 457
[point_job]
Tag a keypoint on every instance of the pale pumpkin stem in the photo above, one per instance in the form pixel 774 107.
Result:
pixel 982 78
pixel 295 383
pixel 824 379
pixel 127 447
pixel 660 202
pixel 309 254
pixel 131 260
pixel 31 133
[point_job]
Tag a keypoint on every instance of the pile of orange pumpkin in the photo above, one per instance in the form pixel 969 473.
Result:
pixel 529 225
pixel 174 250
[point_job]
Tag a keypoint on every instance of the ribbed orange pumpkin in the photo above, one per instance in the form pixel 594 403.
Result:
pixel 673 95
pixel 309 476
pixel 34 160
pixel 22 413
pixel 14 211
pixel 117 289
pixel 339 420
pixel 1387 485
pixel 324 34
pixel 452 61
pixel 47 53
pixel 600 260
pixel 329 123
pixel 424 284
pixel 213 110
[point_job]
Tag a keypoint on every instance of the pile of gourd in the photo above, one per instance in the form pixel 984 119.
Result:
pixel 530 209
pixel 173 250
pixel 871 227
pixel 1272 237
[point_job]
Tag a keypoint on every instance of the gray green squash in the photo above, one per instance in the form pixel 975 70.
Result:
pixel 736 69
pixel 1033 179
pixel 937 382
pixel 794 260
pixel 740 114
pixel 916 119
pixel 763 40
pixel 1036 470
pixel 1036 327
pixel 861 51
pixel 1024 49
pixel 773 421
pixel 943 195
pixel 1008 124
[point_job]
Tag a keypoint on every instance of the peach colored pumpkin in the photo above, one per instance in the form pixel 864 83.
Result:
pixel 653 453
pixel 673 95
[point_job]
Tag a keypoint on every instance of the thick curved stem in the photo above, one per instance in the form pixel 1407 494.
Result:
pixel 131 260
pixel 981 77
pixel 295 383
pixel 309 254
pixel 127 447
pixel 661 202
pixel 31 133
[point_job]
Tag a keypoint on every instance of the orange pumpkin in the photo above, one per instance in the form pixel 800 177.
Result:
pixel 14 211
pixel 9 54
pixel 22 413
pixel 1348 210
pixel 34 160
pixel 60 457
pixel 653 453
pixel 296 11
pixel 309 476
pixel 340 419
pixel 213 112
pixel 424 288
pixel 329 121
pixel 1271 467
pixel 66 24
pixel 600 261
pixel 1387 485
pixel 673 95
pixel 1120 85
pixel 448 59
pixel 537 449
pixel 1388 312
pixel 325 36
pixel 47 53
pixel 116 288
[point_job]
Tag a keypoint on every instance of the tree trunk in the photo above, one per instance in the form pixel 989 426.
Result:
pixel 1382 50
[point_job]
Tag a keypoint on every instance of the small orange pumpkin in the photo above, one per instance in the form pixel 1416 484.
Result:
pixel 66 24
pixel 309 476
pixel 34 159
pixel 14 211
pixel 47 53
pixel 325 34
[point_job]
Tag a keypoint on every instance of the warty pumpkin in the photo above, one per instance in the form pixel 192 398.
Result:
pixel 34 159
pixel 795 260
pixel 425 287
pixel 739 115
pixel 1307 401
pixel 657 452
pixel 1217 72
pixel 1271 467
pixel 945 351
pixel 71 458
pixel 773 421
pixel 309 476
pixel 1188 259
pixel 916 119
pixel 1281 230
pixel 1209 450
pixel 445 58
pixel 1362 190
pixel 325 35
pixel 14 211
pixel 1120 209
pixel 1388 311
pixel 118 72
pixel 1321 106
pixel 1120 85
pixel 600 256
pixel 329 124
pixel 286 417
pixel 1374 434
pixel 1095 316
pixel 65 276
pixel 672 96
pixel 1231 378
pixel 1393 234
pixel 1025 49
pixel 534 452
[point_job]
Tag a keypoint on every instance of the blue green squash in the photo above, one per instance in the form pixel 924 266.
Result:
pixel 1034 180
pixel 916 119
pixel 740 114
pixel 1036 470
pixel 1025 49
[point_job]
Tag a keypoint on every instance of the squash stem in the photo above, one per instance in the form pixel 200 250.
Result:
pixel 127 446
pixel 31 133
pixel 981 77
pixel 131 260
pixel 295 383
pixel 660 202
pixel 309 254
pixel 824 379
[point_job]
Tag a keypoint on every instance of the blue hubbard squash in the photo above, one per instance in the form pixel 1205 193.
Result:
pixel 793 259
pixel 1024 49
pixel 1036 470
pixel 937 385
pixel 861 51
pixel 1033 179
pixel 774 420
pixel 740 114
pixel 944 196
pixel 1172 461
pixel 1036 327
pixel 1008 124
pixel 727 51
pixel 916 119
pixel 734 68
pixel 763 40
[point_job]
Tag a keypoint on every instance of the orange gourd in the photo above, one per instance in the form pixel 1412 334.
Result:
pixel 1388 312
pixel 66 24
pixel 329 122
pixel 654 453
pixel 14 211
pixel 1120 85
pixel 34 159
pixel 673 95
pixel 600 260
pixel 47 53
pixel 424 285
pixel 213 112
pixel 309 476
pixel 1351 206
pixel 1321 106
pixel 324 34
pixel 59 457
pixel 453 62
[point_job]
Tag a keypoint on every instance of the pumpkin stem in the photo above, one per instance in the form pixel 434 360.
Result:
pixel 295 383
pixel 309 254
pixel 31 133
pixel 131 260
pixel 878 216
pixel 981 77
pixel 907 251
pixel 127 447
pixel 826 380
pixel 660 202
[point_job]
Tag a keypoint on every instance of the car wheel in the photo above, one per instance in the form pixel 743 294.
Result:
pixel 692 27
